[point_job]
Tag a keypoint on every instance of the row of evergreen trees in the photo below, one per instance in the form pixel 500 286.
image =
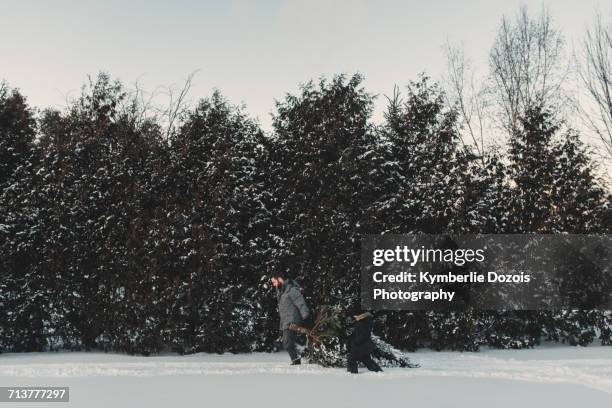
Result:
pixel 117 234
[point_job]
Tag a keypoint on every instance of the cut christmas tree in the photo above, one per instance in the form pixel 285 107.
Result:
pixel 327 343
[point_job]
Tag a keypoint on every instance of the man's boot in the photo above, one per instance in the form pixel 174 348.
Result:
pixel 297 361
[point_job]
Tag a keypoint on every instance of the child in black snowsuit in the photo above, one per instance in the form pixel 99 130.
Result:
pixel 360 344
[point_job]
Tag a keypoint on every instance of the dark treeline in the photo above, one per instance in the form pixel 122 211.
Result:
pixel 118 234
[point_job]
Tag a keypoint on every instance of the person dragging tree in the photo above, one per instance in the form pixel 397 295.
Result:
pixel 360 344
pixel 292 308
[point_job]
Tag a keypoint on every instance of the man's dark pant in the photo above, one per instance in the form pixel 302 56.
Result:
pixel 289 337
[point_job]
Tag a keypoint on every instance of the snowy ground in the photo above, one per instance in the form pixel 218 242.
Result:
pixel 544 377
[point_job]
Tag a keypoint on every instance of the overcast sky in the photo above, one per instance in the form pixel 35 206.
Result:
pixel 253 51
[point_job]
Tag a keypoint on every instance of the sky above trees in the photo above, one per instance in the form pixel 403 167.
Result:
pixel 253 51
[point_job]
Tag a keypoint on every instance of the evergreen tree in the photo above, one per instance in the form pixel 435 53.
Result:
pixel 425 192
pixel 220 226
pixel 17 131
pixel 554 190
pixel 324 175
pixel 531 170
pixel 578 196
pixel 17 158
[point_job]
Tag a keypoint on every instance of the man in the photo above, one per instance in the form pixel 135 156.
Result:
pixel 292 309
pixel 360 344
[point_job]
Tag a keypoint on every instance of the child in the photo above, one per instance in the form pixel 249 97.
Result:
pixel 360 344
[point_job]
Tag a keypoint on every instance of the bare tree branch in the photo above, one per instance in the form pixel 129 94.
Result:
pixel 178 103
pixel 596 75
pixel 528 66
pixel 462 92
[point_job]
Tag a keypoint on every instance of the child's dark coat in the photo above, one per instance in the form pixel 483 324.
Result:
pixel 360 344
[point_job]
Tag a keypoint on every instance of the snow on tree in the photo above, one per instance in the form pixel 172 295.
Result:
pixel 119 234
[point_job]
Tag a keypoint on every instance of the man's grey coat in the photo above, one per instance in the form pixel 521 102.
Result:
pixel 291 305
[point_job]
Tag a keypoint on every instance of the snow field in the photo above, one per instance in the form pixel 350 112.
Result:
pixel 553 376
